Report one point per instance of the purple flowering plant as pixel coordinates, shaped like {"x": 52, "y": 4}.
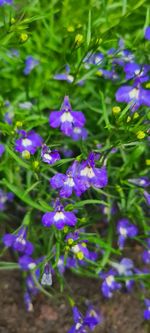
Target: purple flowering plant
{"x": 74, "y": 155}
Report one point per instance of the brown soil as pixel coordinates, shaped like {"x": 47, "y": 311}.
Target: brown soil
{"x": 122, "y": 314}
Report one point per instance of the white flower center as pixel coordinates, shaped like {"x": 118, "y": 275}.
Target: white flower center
{"x": 66, "y": 116}
{"x": 26, "y": 142}
{"x": 47, "y": 157}
{"x": 59, "y": 216}
{"x": 75, "y": 249}
{"x": 123, "y": 231}
{"x": 134, "y": 93}
{"x": 21, "y": 240}
{"x": 78, "y": 325}
{"x": 110, "y": 280}
{"x": 69, "y": 182}
{"x": 77, "y": 130}
{"x": 46, "y": 279}
{"x": 32, "y": 265}
{"x": 87, "y": 172}
{"x": 70, "y": 78}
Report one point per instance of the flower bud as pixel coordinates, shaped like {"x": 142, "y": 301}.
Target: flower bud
{"x": 116, "y": 109}
{"x": 140, "y": 135}
{"x": 78, "y": 39}
{"x": 26, "y": 154}
{"x": 23, "y": 37}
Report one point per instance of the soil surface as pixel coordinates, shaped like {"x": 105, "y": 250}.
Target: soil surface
{"x": 122, "y": 314}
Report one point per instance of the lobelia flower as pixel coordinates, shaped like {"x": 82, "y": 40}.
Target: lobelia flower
{"x": 125, "y": 229}
{"x": 2, "y": 149}
{"x": 108, "y": 74}
{"x": 135, "y": 94}
{"x": 30, "y": 64}
{"x": 109, "y": 285}
{"x": 147, "y": 310}
{"x": 146, "y": 253}
{"x": 141, "y": 181}
{"x": 90, "y": 175}
{"x": 93, "y": 59}
{"x": 67, "y": 183}
{"x": 49, "y": 156}
{"x": 65, "y": 76}
{"x": 27, "y": 263}
{"x": 66, "y": 119}
{"x": 25, "y": 105}
{"x": 147, "y": 33}
{"x": 79, "y": 133}
{"x": 19, "y": 242}
{"x": 81, "y": 323}
{"x": 147, "y": 197}
{"x": 47, "y": 276}
{"x": 29, "y": 141}
{"x": 59, "y": 218}
{"x": 4, "y": 2}
{"x": 125, "y": 267}
{"x": 137, "y": 72}
{"x": 28, "y": 302}
{"x": 4, "y": 197}
{"x": 8, "y": 117}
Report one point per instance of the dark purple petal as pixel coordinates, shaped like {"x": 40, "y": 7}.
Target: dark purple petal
{"x": 48, "y": 219}
{"x": 54, "y": 119}
{"x": 8, "y": 239}
{"x": 58, "y": 180}
{"x": 147, "y": 33}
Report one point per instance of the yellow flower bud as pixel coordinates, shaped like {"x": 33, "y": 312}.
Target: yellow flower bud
{"x": 65, "y": 229}
{"x": 80, "y": 255}
{"x": 26, "y": 154}
{"x": 140, "y": 135}
{"x": 70, "y": 28}
{"x": 83, "y": 244}
{"x": 70, "y": 241}
{"x": 147, "y": 162}
{"x": 128, "y": 119}
{"x": 99, "y": 73}
{"x": 67, "y": 248}
{"x": 147, "y": 85}
{"x": 19, "y": 124}
{"x": 78, "y": 39}
{"x": 136, "y": 115}
{"x": 23, "y": 37}
{"x": 12, "y": 21}
{"x": 36, "y": 164}
{"x": 116, "y": 109}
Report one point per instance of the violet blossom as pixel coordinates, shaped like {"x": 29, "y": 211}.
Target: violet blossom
{"x": 125, "y": 230}
{"x": 19, "y": 241}
{"x": 29, "y": 141}
{"x": 49, "y": 156}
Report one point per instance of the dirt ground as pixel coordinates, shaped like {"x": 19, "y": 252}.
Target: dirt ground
{"x": 122, "y": 314}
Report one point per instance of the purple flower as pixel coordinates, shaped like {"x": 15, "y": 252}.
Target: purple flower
{"x": 90, "y": 175}
{"x": 79, "y": 133}
{"x": 141, "y": 181}
{"x": 146, "y": 253}
{"x": 8, "y": 117}
{"x": 147, "y": 310}
{"x": 81, "y": 323}
{"x": 109, "y": 284}
{"x": 125, "y": 230}
{"x": 19, "y": 242}
{"x": 137, "y": 95}
{"x": 47, "y": 276}
{"x": 137, "y": 72}
{"x": 67, "y": 183}
{"x": 125, "y": 267}
{"x": 59, "y": 218}
{"x": 28, "y": 302}
{"x": 29, "y": 141}
{"x": 65, "y": 76}
{"x": 147, "y": 197}
{"x": 108, "y": 74}
{"x": 8, "y": 2}
{"x": 30, "y": 64}
{"x": 25, "y": 105}
{"x": 27, "y": 263}
{"x": 66, "y": 119}
{"x": 4, "y": 197}
{"x": 93, "y": 59}
{"x": 2, "y": 149}
{"x": 49, "y": 156}
{"x": 147, "y": 33}
{"x": 92, "y": 318}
